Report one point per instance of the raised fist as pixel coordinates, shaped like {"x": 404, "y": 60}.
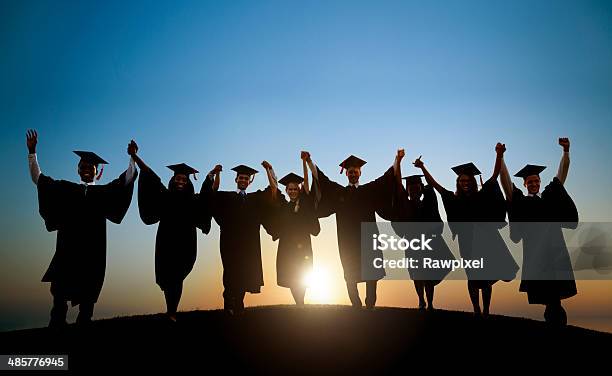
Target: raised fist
{"x": 565, "y": 143}
{"x": 500, "y": 148}
{"x": 400, "y": 154}
{"x": 132, "y": 148}
{"x": 217, "y": 169}
{"x": 266, "y": 165}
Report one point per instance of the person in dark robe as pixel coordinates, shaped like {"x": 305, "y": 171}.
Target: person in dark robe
{"x": 353, "y": 204}
{"x": 180, "y": 212}
{"x": 538, "y": 219}
{"x": 475, "y": 217}
{"x": 417, "y": 203}
{"x": 240, "y": 216}
{"x": 294, "y": 221}
{"x": 78, "y": 212}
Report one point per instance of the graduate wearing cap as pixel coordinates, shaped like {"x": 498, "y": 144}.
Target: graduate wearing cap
{"x": 353, "y": 204}
{"x": 294, "y": 221}
{"x": 415, "y": 212}
{"x": 475, "y": 217}
{"x": 180, "y": 212}
{"x": 240, "y": 215}
{"x": 78, "y": 212}
{"x": 537, "y": 218}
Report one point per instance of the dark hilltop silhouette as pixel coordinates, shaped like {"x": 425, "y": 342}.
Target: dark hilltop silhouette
{"x": 316, "y": 339}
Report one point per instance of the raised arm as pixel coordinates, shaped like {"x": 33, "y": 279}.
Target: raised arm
{"x": 499, "y": 155}
{"x": 305, "y": 185}
{"x": 397, "y": 166}
{"x": 418, "y": 163}
{"x": 313, "y": 169}
{"x": 565, "y": 160}
{"x": 272, "y": 181}
{"x": 506, "y": 182}
{"x": 31, "y": 142}
{"x": 132, "y": 151}
{"x": 215, "y": 176}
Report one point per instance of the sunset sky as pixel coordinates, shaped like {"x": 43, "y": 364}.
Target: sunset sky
{"x": 242, "y": 81}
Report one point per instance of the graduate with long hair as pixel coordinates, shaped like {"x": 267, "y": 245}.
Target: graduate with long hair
{"x": 475, "y": 217}
{"x": 180, "y": 212}
{"x": 294, "y": 222}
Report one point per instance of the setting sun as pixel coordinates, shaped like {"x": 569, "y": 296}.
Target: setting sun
{"x": 318, "y": 283}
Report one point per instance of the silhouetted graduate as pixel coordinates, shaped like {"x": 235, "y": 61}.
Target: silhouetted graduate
{"x": 418, "y": 203}
{"x": 239, "y": 215}
{"x": 294, "y": 221}
{"x": 179, "y": 211}
{"x": 547, "y": 275}
{"x": 476, "y": 216}
{"x": 78, "y": 212}
{"x": 354, "y": 204}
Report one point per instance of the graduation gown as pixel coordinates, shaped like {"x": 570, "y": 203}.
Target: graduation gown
{"x": 179, "y": 215}
{"x": 353, "y": 206}
{"x": 476, "y": 220}
{"x": 293, "y": 230}
{"x": 78, "y": 213}
{"x": 547, "y": 275}
{"x": 427, "y": 215}
{"x": 240, "y": 219}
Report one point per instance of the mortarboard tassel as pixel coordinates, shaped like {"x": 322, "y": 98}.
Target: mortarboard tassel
{"x": 100, "y": 174}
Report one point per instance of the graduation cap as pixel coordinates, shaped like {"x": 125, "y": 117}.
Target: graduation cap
{"x": 414, "y": 179}
{"x": 466, "y": 169}
{"x": 183, "y": 169}
{"x": 291, "y": 178}
{"x": 245, "y": 170}
{"x": 351, "y": 161}
{"x": 91, "y": 158}
{"x": 529, "y": 170}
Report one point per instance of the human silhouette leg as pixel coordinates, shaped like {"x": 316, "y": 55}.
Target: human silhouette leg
{"x": 59, "y": 309}
{"x": 371, "y": 293}
{"x": 85, "y": 313}
{"x": 420, "y": 291}
{"x": 429, "y": 287}
{"x": 486, "y": 299}
{"x": 173, "y": 297}
{"x": 555, "y": 315}
{"x": 298, "y": 295}
{"x": 474, "y": 297}
{"x": 353, "y": 293}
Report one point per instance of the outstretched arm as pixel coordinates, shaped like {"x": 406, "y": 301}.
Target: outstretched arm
{"x": 506, "y": 182}
{"x": 430, "y": 179}
{"x": 306, "y": 186}
{"x": 215, "y": 176}
{"x": 271, "y": 175}
{"x": 31, "y": 142}
{"x": 499, "y": 152}
{"x": 397, "y": 166}
{"x": 565, "y": 160}
{"x": 132, "y": 151}
{"x": 272, "y": 182}
{"x": 313, "y": 169}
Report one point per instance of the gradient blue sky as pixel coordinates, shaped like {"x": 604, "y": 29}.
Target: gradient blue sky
{"x": 242, "y": 81}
